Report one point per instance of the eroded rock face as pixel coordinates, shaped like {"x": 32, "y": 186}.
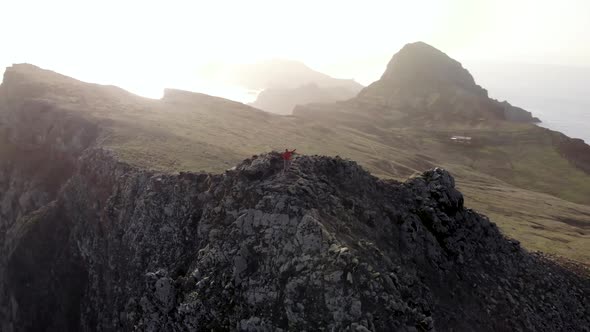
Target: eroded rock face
{"x": 39, "y": 148}
{"x": 324, "y": 246}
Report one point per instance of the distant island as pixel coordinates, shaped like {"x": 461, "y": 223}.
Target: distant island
{"x": 285, "y": 84}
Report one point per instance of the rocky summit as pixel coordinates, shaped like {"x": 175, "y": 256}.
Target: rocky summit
{"x": 419, "y": 65}
{"x": 324, "y": 246}
{"x": 422, "y": 80}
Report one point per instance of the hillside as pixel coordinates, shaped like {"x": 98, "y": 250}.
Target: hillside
{"x": 531, "y": 181}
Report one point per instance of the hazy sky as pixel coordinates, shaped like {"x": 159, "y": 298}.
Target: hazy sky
{"x": 145, "y": 45}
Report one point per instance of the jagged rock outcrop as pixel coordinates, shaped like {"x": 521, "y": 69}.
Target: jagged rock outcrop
{"x": 324, "y": 246}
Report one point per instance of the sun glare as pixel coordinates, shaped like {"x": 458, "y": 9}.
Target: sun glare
{"x": 145, "y": 46}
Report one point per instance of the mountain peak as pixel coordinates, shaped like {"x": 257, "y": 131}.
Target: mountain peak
{"x": 427, "y": 84}
{"x": 420, "y": 63}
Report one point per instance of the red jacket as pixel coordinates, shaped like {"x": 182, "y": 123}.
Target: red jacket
{"x": 287, "y": 154}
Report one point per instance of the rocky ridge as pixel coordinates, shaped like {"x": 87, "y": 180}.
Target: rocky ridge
{"x": 325, "y": 246}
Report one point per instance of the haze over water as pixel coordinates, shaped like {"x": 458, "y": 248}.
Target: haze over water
{"x": 558, "y": 95}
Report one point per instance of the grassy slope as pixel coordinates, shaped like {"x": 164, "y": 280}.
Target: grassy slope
{"x": 540, "y": 221}
{"x": 539, "y": 168}
{"x": 212, "y": 135}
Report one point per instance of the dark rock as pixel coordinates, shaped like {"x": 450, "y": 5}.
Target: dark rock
{"x": 324, "y": 246}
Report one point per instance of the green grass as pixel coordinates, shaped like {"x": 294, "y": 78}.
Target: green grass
{"x": 541, "y": 222}
{"x": 542, "y": 168}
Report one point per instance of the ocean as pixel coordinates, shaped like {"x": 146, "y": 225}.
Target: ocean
{"x": 572, "y": 120}
{"x": 558, "y": 95}
{"x": 567, "y": 115}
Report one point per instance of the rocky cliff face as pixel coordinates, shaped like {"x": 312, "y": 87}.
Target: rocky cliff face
{"x": 324, "y": 246}
{"x": 39, "y": 143}
{"x": 39, "y": 147}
